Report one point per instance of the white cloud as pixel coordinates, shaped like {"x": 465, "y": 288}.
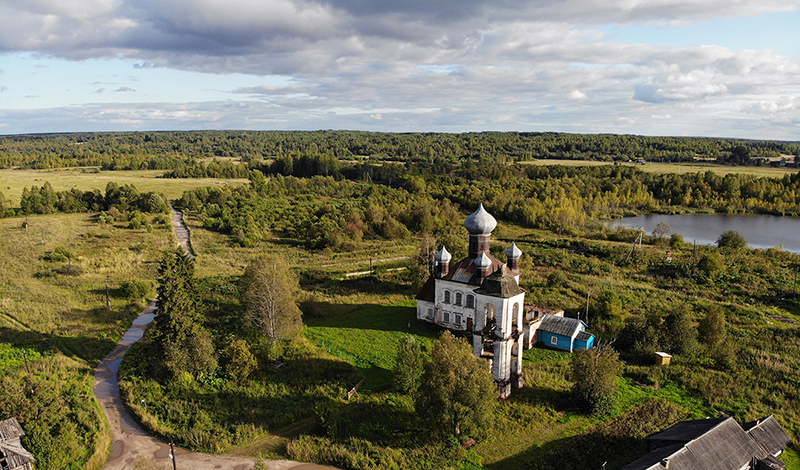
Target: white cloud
{"x": 577, "y": 95}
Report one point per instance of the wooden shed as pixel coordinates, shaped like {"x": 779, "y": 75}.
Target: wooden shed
{"x": 12, "y": 455}
{"x": 663, "y": 359}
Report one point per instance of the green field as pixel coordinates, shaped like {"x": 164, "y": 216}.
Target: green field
{"x": 55, "y": 312}
{"x": 86, "y": 179}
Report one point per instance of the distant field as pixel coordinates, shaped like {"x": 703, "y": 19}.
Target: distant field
{"x": 13, "y": 181}
{"x": 679, "y": 168}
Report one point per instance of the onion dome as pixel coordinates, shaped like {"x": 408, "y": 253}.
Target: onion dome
{"x": 443, "y": 256}
{"x": 483, "y": 261}
{"x": 513, "y": 252}
{"x": 480, "y": 222}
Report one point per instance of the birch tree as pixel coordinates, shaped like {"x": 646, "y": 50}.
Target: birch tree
{"x": 270, "y": 297}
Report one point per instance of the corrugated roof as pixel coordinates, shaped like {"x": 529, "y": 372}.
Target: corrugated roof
{"x": 563, "y": 326}
{"x": 684, "y": 431}
{"x": 583, "y": 336}
{"x": 769, "y": 434}
{"x": 725, "y": 447}
{"x": 676, "y": 456}
{"x": 710, "y": 444}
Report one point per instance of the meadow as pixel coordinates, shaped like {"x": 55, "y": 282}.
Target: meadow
{"x": 54, "y": 312}
{"x": 53, "y": 306}
{"x": 13, "y": 181}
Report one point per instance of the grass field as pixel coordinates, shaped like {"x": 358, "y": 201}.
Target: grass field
{"x": 13, "y": 181}
{"x": 63, "y": 325}
{"x": 679, "y": 168}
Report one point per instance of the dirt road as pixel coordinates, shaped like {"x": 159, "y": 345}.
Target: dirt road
{"x": 132, "y": 445}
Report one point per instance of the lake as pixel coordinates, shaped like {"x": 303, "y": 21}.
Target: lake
{"x": 761, "y": 231}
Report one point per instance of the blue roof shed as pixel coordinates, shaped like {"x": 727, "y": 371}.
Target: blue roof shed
{"x": 567, "y": 334}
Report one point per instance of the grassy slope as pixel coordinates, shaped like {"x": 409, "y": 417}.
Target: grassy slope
{"x": 63, "y": 323}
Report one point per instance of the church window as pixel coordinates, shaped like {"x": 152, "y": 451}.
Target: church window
{"x": 457, "y": 320}
{"x": 458, "y": 298}
{"x": 514, "y": 314}
{"x": 446, "y": 317}
{"x": 430, "y": 313}
{"x": 447, "y": 296}
{"x": 489, "y": 312}
{"x": 470, "y": 301}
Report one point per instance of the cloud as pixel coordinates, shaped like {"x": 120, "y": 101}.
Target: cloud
{"x": 99, "y": 91}
{"x": 3, "y": 88}
{"x": 577, "y": 95}
{"x": 123, "y": 89}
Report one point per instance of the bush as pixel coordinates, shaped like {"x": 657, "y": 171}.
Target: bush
{"x": 595, "y": 373}
{"x": 731, "y": 239}
{"x": 240, "y": 361}
{"x": 136, "y": 289}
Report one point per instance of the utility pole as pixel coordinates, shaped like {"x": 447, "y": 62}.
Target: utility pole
{"x": 25, "y": 355}
{"x": 172, "y": 456}
{"x": 587, "y": 308}
{"x": 108, "y": 297}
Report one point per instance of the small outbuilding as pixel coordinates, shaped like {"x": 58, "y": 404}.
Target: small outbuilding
{"x": 566, "y": 334}
{"x": 12, "y": 455}
{"x": 663, "y": 359}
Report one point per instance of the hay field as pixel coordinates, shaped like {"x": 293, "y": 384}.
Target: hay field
{"x": 13, "y": 181}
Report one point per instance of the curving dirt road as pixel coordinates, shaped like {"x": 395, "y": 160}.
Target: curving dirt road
{"x": 131, "y": 444}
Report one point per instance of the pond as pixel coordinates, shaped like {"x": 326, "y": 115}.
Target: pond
{"x": 761, "y": 231}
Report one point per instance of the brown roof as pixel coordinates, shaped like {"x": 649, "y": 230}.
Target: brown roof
{"x": 500, "y": 284}
{"x": 428, "y": 291}
{"x": 465, "y": 271}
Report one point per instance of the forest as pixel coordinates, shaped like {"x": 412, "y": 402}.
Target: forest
{"x": 317, "y": 207}
{"x": 174, "y": 150}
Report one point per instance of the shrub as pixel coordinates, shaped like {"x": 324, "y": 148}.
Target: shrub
{"x": 731, "y": 239}
{"x": 136, "y": 289}
{"x": 240, "y": 360}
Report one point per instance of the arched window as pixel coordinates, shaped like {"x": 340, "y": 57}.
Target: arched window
{"x": 514, "y": 313}
{"x": 489, "y": 310}
{"x": 470, "y": 301}
{"x": 458, "y": 298}
{"x": 447, "y": 296}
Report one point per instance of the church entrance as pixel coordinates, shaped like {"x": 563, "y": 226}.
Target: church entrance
{"x": 469, "y": 323}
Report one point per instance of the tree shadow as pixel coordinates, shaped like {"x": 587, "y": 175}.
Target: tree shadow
{"x": 368, "y": 316}
{"x": 88, "y": 348}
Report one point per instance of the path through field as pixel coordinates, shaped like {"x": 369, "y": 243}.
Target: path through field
{"x": 131, "y": 443}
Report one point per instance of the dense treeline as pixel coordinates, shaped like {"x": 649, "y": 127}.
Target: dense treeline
{"x": 362, "y": 200}
{"x": 170, "y": 150}
{"x": 125, "y": 198}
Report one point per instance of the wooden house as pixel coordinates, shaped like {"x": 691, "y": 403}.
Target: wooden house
{"x": 566, "y": 334}
{"x": 715, "y": 444}
{"x": 12, "y": 455}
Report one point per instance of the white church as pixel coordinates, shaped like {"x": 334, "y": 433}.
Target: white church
{"x": 480, "y": 296}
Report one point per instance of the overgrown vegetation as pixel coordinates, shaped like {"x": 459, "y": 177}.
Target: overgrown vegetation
{"x": 728, "y": 315}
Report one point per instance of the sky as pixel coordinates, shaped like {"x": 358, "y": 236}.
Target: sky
{"x": 717, "y": 68}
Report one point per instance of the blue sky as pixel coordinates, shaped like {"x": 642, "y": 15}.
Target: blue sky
{"x": 660, "y": 67}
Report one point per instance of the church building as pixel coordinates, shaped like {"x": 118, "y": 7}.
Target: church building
{"x": 480, "y": 296}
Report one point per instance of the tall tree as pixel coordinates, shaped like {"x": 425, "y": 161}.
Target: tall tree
{"x": 178, "y": 332}
{"x": 457, "y": 395}
{"x": 595, "y": 374}
{"x": 410, "y": 365}
{"x": 270, "y": 296}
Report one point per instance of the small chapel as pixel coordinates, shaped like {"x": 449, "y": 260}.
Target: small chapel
{"x": 480, "y": 297}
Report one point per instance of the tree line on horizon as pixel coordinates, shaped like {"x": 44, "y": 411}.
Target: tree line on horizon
{"x": 173, "y": 150}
